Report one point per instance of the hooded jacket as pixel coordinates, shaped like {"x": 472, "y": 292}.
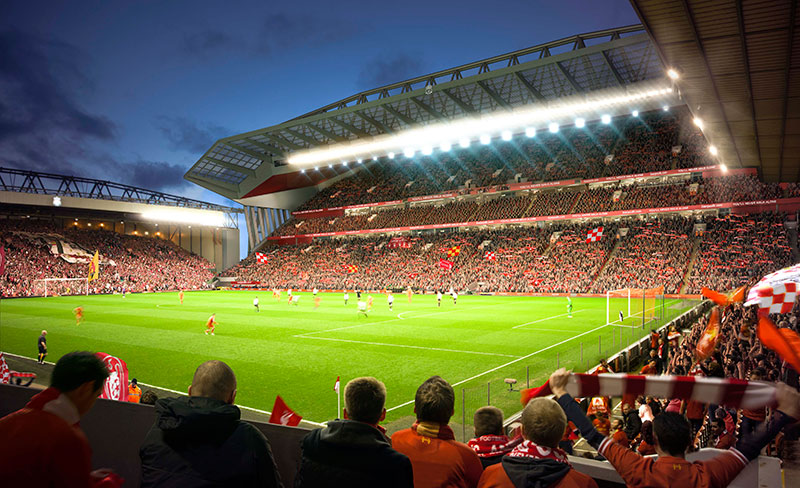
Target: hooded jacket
{"x": 353, "y": 454}
{"x": 533, "y": 473}
{"x": 199, "y": 441}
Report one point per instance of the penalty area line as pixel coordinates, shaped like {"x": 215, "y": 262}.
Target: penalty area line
{"x": 508, "y": 363}
{"x": 542, "y": 320}
{"x": 409, "y": 346}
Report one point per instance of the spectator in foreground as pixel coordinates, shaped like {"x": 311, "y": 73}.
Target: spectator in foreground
{"x": 490, "y": 444}
{"x": 722, "y": 439}
{"x": 672, "y": 436}
{"x": 355, "y": 452}
{"x": 200, "y": 440}
{"x": 537, "y": 461}
{"x": 437, "y": 458}
{"x": 149, "y": 398}
{"x": 42, "y": 443}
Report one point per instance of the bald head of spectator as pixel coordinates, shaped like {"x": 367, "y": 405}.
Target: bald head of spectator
{"x": 543, "y": 422}
{"x": 214, "y": 379}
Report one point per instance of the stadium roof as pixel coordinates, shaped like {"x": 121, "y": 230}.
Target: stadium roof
{"x": 739, "y": 67}
{"x": 254, "y": 163}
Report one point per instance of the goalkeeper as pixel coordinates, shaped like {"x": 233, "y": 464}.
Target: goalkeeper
{"x": 569, "y": 307}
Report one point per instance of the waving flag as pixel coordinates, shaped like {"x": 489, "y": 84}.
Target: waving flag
{"x": 594, "y": 235}
{"x": 708, "y": 341}
{"x": 454, "y": 251}
{"x": 351, "y": 268}
{"x": 116, "y": 385}
{"x": 94, "y": 268}
{"x": 773, "y": 297}
{"x": 445, "y": 264}
{"x": 5, "y": 373}
{"x": 737, "y": 296}
{"x": 783, "y": 341}
{"x": 2, "y": 260}
{"x": 283, "y": 415}
{"x": 336, "y": 385}
{"x": 490, "y": 256}
{"x": 261, "y": 258}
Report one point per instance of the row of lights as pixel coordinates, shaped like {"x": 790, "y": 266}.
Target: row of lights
{"x": 674, "y": 75}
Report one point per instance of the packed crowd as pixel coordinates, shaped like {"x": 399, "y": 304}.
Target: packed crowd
{"x": 130, "y": 262}
{"x": 610, "y": 197}
{"x": 629, "y": 145}
{"x": 548, "y": 258}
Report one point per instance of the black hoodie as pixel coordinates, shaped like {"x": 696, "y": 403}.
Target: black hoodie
{"x": 352, "y": 454}
{"x": 534, "y": 473}
{"x": 200, "y": 441}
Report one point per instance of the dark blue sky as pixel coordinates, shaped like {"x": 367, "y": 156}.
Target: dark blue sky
{"x": 135, "y": 92}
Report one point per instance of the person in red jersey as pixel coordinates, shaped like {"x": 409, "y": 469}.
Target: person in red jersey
{"x": 211, "y": 324}
{"x": 618, "y": 434}
{"x": 437, "y": 459}
{"x": 537, "y": 461}
{"x": 43, "y": 445}
{"x": 672, "y": 436}
{"x": 721, "y": 438}
{"x": 78, "y": 311}
{"x": 180, "y": 296}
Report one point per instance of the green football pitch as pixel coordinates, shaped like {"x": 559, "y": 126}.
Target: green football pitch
{"x": 298, "y": 351}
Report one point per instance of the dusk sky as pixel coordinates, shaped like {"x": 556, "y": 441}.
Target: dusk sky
{"x": 135, "y": 92}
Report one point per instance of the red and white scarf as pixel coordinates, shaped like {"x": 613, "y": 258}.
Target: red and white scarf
{"x": 487, "y": 446}
{"x": 528, "y": 449}
{"x": 719, "y": 391}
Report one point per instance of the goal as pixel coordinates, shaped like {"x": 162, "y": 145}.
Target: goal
{"x": 49, "y": 287}
{"x": 634, "y": 306}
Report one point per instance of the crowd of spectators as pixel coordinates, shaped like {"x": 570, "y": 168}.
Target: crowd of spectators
{"x": 548, "y": 258}
{"x": 130, "y": 262}
{"x": 629, "y": 145}
{"x": 610, "y": 197}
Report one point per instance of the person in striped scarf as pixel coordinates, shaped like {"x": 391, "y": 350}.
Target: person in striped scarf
{"x": 672, "y": 435}
{"x": 490, "y": 444}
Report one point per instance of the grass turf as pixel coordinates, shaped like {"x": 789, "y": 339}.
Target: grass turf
{"x": 298, "y": 351}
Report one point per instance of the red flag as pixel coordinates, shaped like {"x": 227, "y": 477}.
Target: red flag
{"x": 594, "y": 235}
{"x": 116, "y": 387}
{"x": 445, "y": 264}
{"x": 261, "y": 258}
{"x": 336, "y": 385}
{"x": 783, "y": 341}
{"x": 723, "y": 300}
{"x": 283, "y": 415}
{"x": 5, "y": 373}
{"x": 2, "y": 260}
{"x": 454, "y": 251}
{"x": 490, "y": 256}
{"x": 706, "y": 344}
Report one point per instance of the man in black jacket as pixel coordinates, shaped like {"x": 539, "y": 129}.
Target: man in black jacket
{"x": 633, "y": 424}
{"x": 355, "y": 452}
{"x": 199, "y": 440}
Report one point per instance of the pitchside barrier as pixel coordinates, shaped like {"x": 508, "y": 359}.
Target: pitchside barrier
{"x": 622, "y": 347}
{"x": 115, "y": 431}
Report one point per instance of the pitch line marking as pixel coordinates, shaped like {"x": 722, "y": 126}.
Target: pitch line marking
{"x": 508, "y": 363}
{"x": 411, "y": 347}
{"x": 542, "y": 320}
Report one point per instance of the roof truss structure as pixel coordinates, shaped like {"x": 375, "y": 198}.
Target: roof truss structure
{"x": 536, "y": 75}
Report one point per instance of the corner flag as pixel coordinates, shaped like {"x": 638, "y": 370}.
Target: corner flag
{"x": 94, "y": 267}
{"x": 336, "y": 386}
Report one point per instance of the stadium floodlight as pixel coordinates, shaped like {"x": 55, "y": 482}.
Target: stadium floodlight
{"x": 56, "y": 201}
{"x": 391, "y": 155}
{"x": 408, "y": 152}
{"x": 330, "y": 165}
{"x": 427, "y": 150}
{"x": 606, "y": 119}
{"x": 316, "y": 168}
{"x": 446, "y": 146}
{"x": 486, "y": 139}
{"x": 186, "y": 216}
{"x": 713, "y": 150}
{"x": 723, "y": 167}
{"x": 552, "y": 127}
{"x": 580, "y": 122}
{"x": 666, "y": 108}
{"x": 463, "y": 142}
{"x": 359, "y": 160}
{"x": 673, "y": 74}
{"x": 303, "y": 170}
{"x": 374, "y": 158}
{"x": 612, "y": 101}
{"x": 530, "y": 131}
{"x": 635, "y": 113}
{"x": 506, "y": 135}
{"x": 698, "y": 122}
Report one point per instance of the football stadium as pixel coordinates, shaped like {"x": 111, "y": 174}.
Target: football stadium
{"x": 621, "y": 203}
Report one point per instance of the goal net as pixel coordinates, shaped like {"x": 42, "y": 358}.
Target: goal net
{"x": 634, "y": 306}
{"x": 50, "y": 287}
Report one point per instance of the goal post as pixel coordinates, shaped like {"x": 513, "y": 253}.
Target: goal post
{"x": 634, "y": 306}
{"x": 48, "y": 287}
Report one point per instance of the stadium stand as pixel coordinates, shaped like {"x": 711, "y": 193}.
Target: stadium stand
{"x": 37, "y": 249}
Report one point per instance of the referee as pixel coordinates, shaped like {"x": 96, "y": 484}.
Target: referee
{"x": 42, "y": 343}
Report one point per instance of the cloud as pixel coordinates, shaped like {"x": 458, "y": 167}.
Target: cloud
{"x": 280, "y": 32}
{"x": 187, "y": 135}
{"x": 207, "y": 42}
{"x": 154, "y": 175}
{"x": 384, "y": 70}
